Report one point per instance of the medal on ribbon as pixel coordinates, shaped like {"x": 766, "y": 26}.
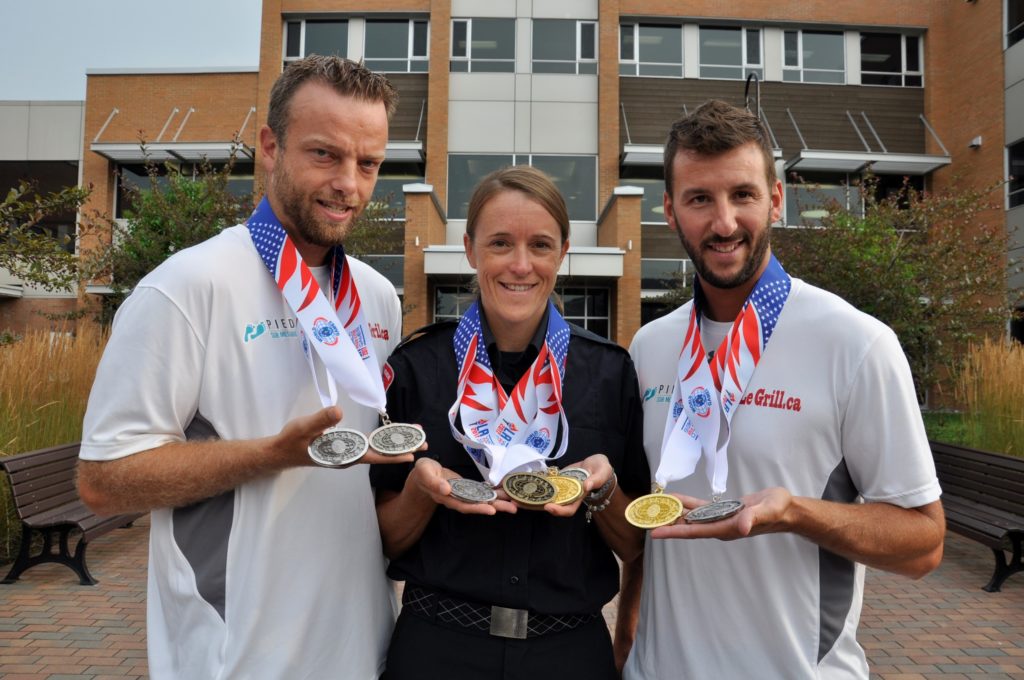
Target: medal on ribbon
{"x": 706, "y": 398}
{"x": 333, "y": 326}
{"x": 511, "y": 433}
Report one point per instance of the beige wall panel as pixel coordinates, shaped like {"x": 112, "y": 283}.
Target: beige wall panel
{"x": 482, "y": 87}
{"x": 481, "y": 127}
{"x": 55, "y": 132}
{"x": 14, "y": 131}
{"x": 1014, "y": 113}
{"x": 564, "y": 128}
{"x": 483, "y": 8}
{"x": 565, "y": 9}
{"x": 550, "y": 87}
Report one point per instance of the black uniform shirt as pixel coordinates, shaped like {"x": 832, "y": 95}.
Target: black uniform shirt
{"x": 530, "y": 560}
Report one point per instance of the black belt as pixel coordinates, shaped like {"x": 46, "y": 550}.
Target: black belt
{"x": 499, "y": 621}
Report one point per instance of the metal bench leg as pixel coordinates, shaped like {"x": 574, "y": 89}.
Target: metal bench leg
{"x": 23, "y": 560}
{"x": 1003, "y": 568}
{"x": 78, "y": 562}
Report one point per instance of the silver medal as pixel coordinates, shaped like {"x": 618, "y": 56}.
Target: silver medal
{"x": 712, "y": 512}
{"x": 578, "y": 473}
{"x": 472, "y": 491}
{"x": 338, "y": 447}
{"x": 395, "y": 439}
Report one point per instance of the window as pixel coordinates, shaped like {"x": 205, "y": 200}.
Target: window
{"x": 732, "y": 53}
{"x": 451, "y": 302}
{"x": 564, "y": 46}
{"x": 586, "y": 306}
{"x": 388, "y": 196}
{"x": 305, "y": 37}
{"x": 396, "y": 46}
{"x": 813, "y": 57}
{"x": 890, "y": 59}
{"x": 652, "y": 205}
{"x": 663, "y": 274}
{"x": 811, "y": 198}
{"x": 650, "y": 50}
{"x": 575, "y": 177}
{"x": 1015, "y": 163}
{"x": 483, "y": 45}
{"x": 1014, "y": 22}
{"x": 133, "y": 178}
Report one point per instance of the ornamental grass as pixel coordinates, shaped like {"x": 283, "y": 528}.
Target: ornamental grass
{"x": 45, "y": 379}
{"x": 991, "y": 385}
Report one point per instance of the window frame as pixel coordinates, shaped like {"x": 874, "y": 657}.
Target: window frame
{"x": 746, "y": 66}
{"x": 469, "y": 58}
{"x": 904, "y": 72}
{"x": 801, "y": 68}
{"x": 409, "y": 58}
{"x": 636, "y": 63}
{"x": 285, "y": 58}
{"x": 579, "y": 61}
{"x": 1014, "y": 34}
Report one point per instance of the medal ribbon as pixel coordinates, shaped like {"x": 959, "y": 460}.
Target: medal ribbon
{"x": 349, "y": 356}
{"x": 707, "y": 391}
{"x": 510, "y": 432}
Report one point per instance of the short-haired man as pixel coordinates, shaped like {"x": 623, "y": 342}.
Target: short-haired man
{"x": 805, "y": 411}
{"x": 209, "y": 393}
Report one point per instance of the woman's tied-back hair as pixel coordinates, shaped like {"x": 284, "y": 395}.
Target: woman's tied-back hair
{"x": 715, "y": 128}
{"x": 525, "y": 179}
{"x": 347, "y": 78}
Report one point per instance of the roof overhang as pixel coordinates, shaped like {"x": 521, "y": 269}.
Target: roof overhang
{"x": 11, "y": 290}
{"x": 606, "y": 262}
{"x": 654, "y": 154}
{"x": 404, "y": 152}
{"x": 858, "y": 161}
{"x": 192, "y": 152}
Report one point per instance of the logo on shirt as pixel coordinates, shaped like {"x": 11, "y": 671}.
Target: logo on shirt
{"x": 253, "y": 331}
{"x": 387, "y": 375}
{"x": 378, "y": 332}
{"x": 659, "y": 393}
{"x": 270, "y": 328}
{"x": 699, "y": 402}
{"x": 771, "y": 399}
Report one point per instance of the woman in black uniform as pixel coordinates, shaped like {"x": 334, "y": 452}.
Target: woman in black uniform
{"x": 493, "y": 589}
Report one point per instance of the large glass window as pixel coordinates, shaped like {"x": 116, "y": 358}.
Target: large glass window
{"x": 661, "y": 273}
{"x": 575, "y": 177}
{"x": 320, "y": 36}
{"x": 564, "y": 46}
{"x": 1014, "y": 22}
{"x": 586, "y": 306}
{"x": 134, "y": 177}
{"x": 388, "y": 196}
{"x": 816, "y": 195}
{"x": 652, "y": 205}
{"x": 890, "y": 59}
{"x": 451, "y": 302}
{"x": 813, "y": 57}
{"x": 483, "y": 45}
{"x": 650, "y": 50}
{"x": 396, "y": 46}
{"x": 1016, "y": 167}
{"x": 732, "y": 53}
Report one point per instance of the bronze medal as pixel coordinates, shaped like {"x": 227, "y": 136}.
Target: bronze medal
{"x": 529, "y": 488}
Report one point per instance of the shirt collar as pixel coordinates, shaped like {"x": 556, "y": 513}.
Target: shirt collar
{"x": 492, "y": 344}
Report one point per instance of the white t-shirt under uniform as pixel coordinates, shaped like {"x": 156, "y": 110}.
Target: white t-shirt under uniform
{"x": 282, "y": 577}
{"x": 830, "y": 413}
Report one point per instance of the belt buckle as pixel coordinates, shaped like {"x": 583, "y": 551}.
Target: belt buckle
{"x": 508, "y": 623}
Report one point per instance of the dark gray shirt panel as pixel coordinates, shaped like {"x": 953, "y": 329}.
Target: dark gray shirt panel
{"x": 835, "y": 573}
{"x": 201, "y": 531}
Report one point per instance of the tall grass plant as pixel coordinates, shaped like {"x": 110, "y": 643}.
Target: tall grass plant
{"x": 991, "y": 386}
{"x": 45, "y": 379}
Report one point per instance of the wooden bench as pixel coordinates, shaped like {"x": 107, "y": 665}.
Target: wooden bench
{"x": 983, "y": 495}
{"x": 47, "y": 503}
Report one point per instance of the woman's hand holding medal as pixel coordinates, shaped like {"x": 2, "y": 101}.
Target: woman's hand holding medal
{"x": 438, "y": 483}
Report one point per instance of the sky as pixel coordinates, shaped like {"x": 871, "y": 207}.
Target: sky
{"x": 47, "y": 45}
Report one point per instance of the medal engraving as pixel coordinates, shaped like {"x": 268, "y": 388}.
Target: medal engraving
{"x": 529, "y": 488}
{"x": 654, "y": 510}
{"x": 712, "y": 512}
{"x": 395, "y": 439}
{"x": 567, "y": 489}
{"x": 472, "y": 491}
{"x": 338, "y": 447}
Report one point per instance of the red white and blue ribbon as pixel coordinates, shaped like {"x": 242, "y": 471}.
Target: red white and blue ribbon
{"x": 510, "y": 432}
{"x": 707, "y": 393}
{"x": 348, "y": 356}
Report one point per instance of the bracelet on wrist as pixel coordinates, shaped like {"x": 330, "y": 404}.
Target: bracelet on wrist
{"x": 599, "y": 500}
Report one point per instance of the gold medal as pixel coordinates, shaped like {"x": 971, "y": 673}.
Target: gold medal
{"x": 654, "y": 510}
{"x": 529, "y": 488}
{"x": 567, "y": 488}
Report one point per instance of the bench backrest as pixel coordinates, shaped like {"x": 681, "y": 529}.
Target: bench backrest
{"x": 42, "y": 479}
{"x": 990, "y": 478}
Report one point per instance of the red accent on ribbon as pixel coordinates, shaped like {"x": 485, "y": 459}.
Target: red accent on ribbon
{"x": 751, "y": 334}
{"x": 289, "y": 259}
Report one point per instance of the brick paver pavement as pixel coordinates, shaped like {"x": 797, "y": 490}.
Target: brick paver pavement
{"x": 944, "y": 626}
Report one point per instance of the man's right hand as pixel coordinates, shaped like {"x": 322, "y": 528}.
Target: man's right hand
{"x": 297, "y": 434}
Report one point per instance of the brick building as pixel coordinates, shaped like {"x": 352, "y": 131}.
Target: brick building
{"x": 585, "y": 90}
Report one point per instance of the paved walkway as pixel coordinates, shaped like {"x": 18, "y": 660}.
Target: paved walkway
{"x": 944, "y": 626}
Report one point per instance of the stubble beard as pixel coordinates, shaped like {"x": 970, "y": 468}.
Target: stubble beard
{"x": 757, "y": 252}
{"x": 299, "y": 210}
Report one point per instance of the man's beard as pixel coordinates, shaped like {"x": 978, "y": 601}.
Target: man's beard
{"x": 299, "y": 210}
{"x": 758, "y": 248}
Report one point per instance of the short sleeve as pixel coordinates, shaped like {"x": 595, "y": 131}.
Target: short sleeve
{"x": 148, "y": 381}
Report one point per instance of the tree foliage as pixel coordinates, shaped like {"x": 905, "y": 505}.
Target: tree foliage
{"x": 27, "y": 249}
{"x": 926, "y": 264}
